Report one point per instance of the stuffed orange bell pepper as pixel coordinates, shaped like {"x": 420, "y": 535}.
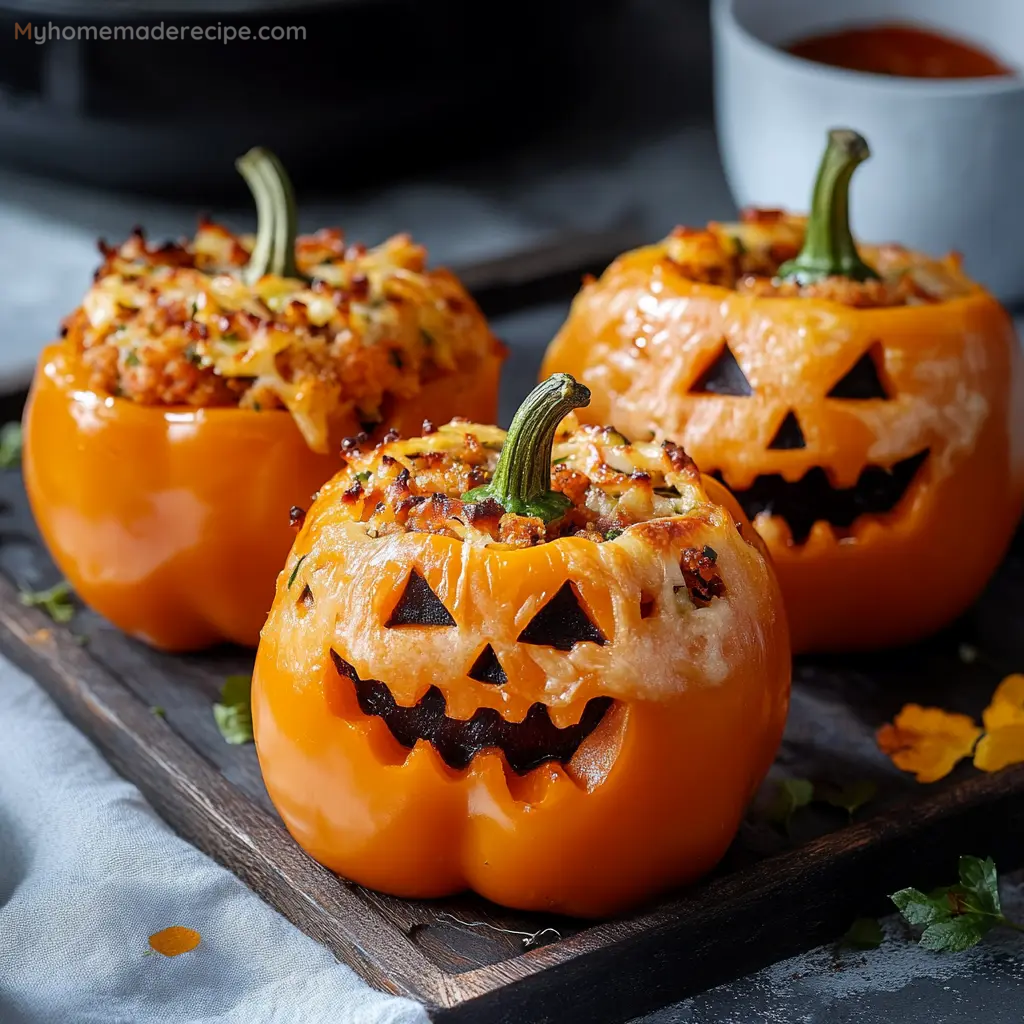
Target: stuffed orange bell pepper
{"x": 554, "y": 680}
{"x": 864, "y": 406}
{"x": 203, "y": 388}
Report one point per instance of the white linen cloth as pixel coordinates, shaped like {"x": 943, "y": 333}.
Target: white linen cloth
{"x": 88, "y": 872}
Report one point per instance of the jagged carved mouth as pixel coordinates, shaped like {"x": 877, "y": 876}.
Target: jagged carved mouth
{"x": 812, "y": 498}
{"x": 526, "y": 745}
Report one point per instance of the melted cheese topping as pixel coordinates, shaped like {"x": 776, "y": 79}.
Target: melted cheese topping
{"x": 415, "y": 485}
{"x": 683, "y": 598}
{"x": 747, "y": 256}
{"x": 177, "y": 325}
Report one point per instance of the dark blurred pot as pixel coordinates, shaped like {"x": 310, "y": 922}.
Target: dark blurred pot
{"x": 378, "y": 88}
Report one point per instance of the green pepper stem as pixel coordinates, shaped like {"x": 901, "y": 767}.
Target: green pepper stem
{"x": 522, "y": 479}
{"x": 829, "y": 249}
{"x": 274, "y": 251}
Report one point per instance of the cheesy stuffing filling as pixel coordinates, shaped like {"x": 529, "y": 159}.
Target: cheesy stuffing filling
{"x": 176, "y": 325}
{"x": 416, "y": 484}
{"x": 746, "y": 257}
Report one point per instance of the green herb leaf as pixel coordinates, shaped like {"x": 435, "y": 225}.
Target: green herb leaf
{"x": 558, "y": 462}
{"x": 612, "y": 534}
{"x": 192, "y": 354}
{"x": 864, "y": 933}
{"x": 233, "y": 714}
{"x": 158, "y": 711}
{"x": 10, "y": 445}
{"x": 364, "y": 476}
{"x": 295, "y": 571}
{"x": 958, "y": 916}
{"x": 56, "y": 601}
{"x": 920, "y": 909}
{"x": 230, "y": 336}
{"x": 957, "y": 934}
{"x": 981, "y": 881}
{"x": 850, "y": 798}
{"x": 790, "y": 796}
{"x": 132, "y": 358}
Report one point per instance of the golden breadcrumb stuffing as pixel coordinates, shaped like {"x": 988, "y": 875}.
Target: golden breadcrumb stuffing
{"x": 746, "y": 257}
{"x": 175, "y": 324}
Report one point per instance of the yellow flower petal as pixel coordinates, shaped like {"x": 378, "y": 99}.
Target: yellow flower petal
{"x": 1007, "y": 705}
{"x": 1003, "y": 743}
{"x": 1000, "y": 748}
{"x": 927, "y": 741}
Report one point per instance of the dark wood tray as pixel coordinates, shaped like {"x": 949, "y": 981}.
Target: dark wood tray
{"x": 774, "y": 894}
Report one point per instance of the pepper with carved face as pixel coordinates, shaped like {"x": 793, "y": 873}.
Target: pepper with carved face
{"x": 864, "y": 407}
{"x": 555, "y": 677}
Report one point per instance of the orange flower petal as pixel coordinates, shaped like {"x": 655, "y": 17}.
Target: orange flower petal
{"x": 1003, "y": 743}
{"x": 175, "y": 940}
{"x": 927, "y": 741}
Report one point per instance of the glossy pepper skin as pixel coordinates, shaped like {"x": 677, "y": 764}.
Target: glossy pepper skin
{"x": 653, "y": 795}
{"x": 643, "y": 336}
{"x": 170, "y": 515}
{"x": 173, "y": 522}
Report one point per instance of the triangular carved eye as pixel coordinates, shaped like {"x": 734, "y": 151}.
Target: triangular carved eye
{"x": 487, "y": 668}
{"x": 723, "y": 377}
{"x": 789, "y": 435}
{"x": 561, "y": 623}
{"x": 861, "y": 382}
{"x": 419, "y": 606}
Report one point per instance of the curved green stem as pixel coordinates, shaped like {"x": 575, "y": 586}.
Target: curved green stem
{"x": 829, "y": 249}
{"x": 522, "y": 480}
{"x": 274, "y": 251}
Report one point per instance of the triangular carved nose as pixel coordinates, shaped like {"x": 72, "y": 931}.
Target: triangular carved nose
{"x": 487, "y": 668}
{"x": 789, "y": 435}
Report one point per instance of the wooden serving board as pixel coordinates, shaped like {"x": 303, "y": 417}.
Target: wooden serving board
{"x": 773, "y": 896}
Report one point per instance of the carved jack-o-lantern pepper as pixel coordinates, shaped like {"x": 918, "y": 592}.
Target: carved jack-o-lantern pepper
{"x": 866, "y": 412}
{"x": 557, "y": 682}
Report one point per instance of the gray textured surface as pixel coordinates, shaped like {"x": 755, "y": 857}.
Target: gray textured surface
{"x": 898, "y": 982}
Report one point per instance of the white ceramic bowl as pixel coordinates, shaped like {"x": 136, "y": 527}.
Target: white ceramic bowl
{"x": 947, "y": 165}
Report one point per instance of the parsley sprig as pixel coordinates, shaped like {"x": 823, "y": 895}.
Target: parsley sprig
{"x": 791, "y": 794}
{"x": 957, "y": 917}
{"x": 864, "y": 933}
{"x": 233, "y": 713}
{"x": 10, "y": 445}
{"x": 55, "y": 601}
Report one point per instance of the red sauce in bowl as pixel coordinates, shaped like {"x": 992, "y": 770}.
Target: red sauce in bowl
{"x": 901, "y": 50}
